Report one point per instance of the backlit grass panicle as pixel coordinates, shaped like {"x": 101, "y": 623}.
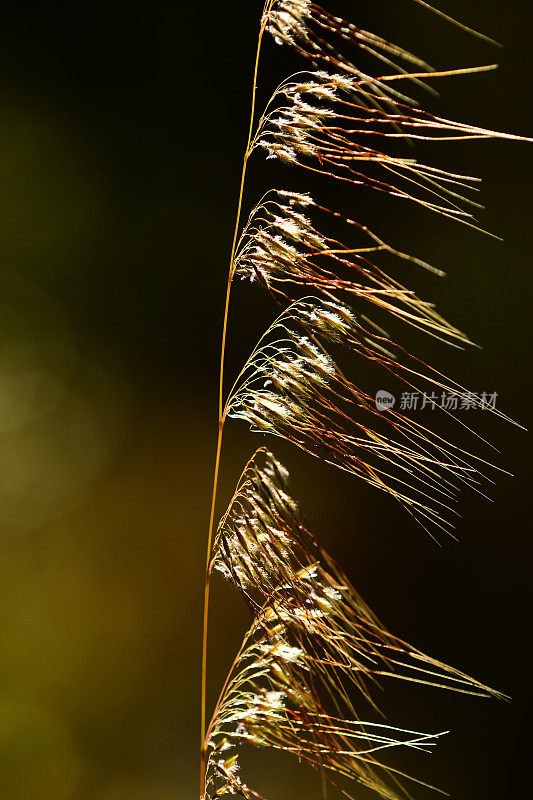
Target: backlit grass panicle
{"x": 327, "y": 120}
{"x": 291, "y": 388}
{"x": 336, "y": 136}
{"x": 315, "y": 652}
{"x": 313, "y": 642}
{"x": 282, "y": 248}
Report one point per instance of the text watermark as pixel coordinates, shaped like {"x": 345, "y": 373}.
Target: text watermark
{"x": 449, "y": 401}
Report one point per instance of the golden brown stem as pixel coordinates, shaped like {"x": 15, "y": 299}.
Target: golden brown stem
{"x": 221, "y": 413}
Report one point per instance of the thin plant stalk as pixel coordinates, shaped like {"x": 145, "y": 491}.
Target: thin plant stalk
{"x": 221, "y": 412}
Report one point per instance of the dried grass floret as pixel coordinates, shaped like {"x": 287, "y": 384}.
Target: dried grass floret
{"x": 312, "y": 643}
{"x": 282, "y": 248}
{"x": 341, "y": 135}
{"x": 292, "y": 388}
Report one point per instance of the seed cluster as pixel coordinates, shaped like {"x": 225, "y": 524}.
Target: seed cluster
{"x": 341, "y": 135}
{"x": 292, "y": 388}
{"x": 312, "y": 640}
{"x": 282, "y": 248}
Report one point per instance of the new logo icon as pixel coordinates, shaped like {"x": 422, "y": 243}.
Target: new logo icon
{"x": 384, "y": 400}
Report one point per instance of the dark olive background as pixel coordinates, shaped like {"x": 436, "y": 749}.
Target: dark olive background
{"x": 121, "y": 134}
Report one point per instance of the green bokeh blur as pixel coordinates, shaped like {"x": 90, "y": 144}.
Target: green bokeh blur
{"x": 121, "y": 133}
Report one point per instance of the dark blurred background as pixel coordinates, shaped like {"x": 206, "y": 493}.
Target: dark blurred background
{"x": 121, "y": 135}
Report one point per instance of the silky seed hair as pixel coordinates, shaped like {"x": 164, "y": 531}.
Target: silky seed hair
{"x": 315, "y": 653}
{"x": 282, "y": 249}
{"x": 291, "y": 388}
{"x": 312, "y": 644}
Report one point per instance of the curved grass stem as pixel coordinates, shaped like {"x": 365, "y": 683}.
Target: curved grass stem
{"x": 221, "y": 414}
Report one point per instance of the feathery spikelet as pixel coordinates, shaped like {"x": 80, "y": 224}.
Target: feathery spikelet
{"x": 290, "y": 387}
{"x": 281, "y": 247}
{"x": 312, "y": 642}
{"x": 328, "y": 138}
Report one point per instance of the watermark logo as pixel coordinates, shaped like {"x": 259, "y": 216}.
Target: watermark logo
{"x": 449, "y": 401}
{"x": 384, "y": 400}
